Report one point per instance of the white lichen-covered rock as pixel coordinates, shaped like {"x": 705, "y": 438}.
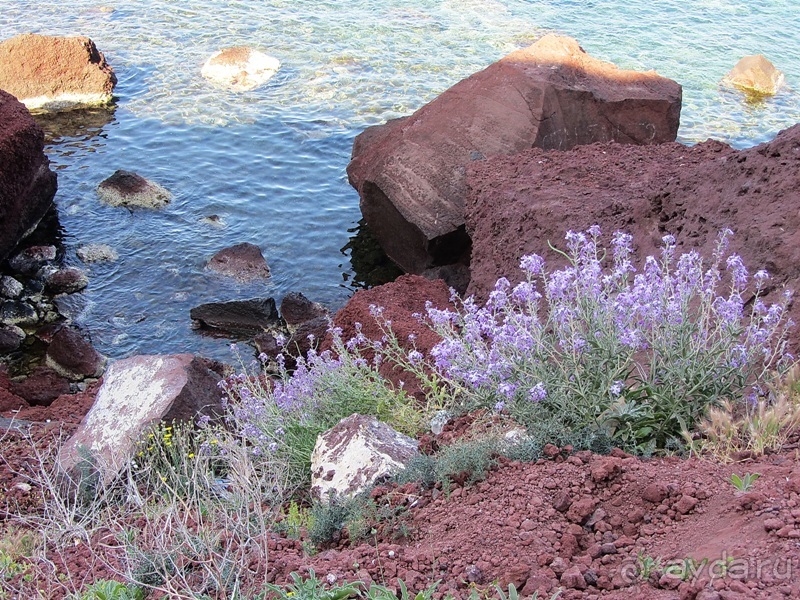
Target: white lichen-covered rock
{"x": 355, "y": 453}
{"x": 128, "y": 189}
{"x": 136, "y": 393}
{"x": 240, "y": 69}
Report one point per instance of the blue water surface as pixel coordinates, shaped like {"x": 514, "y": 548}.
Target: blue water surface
{"x": 271, "y": 162}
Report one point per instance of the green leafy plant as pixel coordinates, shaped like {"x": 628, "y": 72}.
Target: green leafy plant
{"x": 110, "y": 590}
{"x": 646, "y": 565}
{"x": 311, "y": 588}
{"x": 744, "y": 482}
{"x": 513, "y": 594}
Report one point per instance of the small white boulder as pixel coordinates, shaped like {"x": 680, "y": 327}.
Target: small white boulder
{"x": 354, "y": 454}
{"x": 240, "y": 68}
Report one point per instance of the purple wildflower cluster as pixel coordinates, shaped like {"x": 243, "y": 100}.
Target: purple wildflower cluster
{"x": 674, "y": 335}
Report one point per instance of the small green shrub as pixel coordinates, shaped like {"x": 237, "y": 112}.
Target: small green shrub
{"x": 110, "y": 590}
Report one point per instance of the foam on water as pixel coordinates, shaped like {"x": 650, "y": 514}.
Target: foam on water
{"x": 270, "y": 163}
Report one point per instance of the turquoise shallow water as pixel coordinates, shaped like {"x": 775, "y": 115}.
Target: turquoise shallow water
{"x": 271, "y": 162}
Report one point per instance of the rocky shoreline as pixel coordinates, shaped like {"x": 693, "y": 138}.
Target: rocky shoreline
{"x": 499, "y": 166}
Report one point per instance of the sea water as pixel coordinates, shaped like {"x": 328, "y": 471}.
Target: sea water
{"x": 270, "y": 163}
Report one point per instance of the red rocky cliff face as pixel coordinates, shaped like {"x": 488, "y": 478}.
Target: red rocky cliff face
{"x": 27, "y": 185}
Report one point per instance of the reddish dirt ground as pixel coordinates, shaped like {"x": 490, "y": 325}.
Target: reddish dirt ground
{"x": 576, "y": 521}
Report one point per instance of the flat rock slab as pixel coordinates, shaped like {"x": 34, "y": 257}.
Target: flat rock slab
{"x": 136, "y": 393}
{"x": 246, "y": 317}
{"x": 55, "y": 73}
{"x": 354, "y": 454}
{"x": 410, "y": 172}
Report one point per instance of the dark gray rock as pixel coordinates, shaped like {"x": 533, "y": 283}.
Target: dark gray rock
{"x": 297, "y": 309}
{"x": 241, "y": 317}
{"x": 30, "y": 260}
{"x": 18, "y": 312}
{"x": 11, "y": 338}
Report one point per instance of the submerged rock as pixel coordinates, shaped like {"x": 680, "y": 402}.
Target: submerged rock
{"x": 410, "y": 172}
{"x": 240, "y": 69}
{"x": 91, "y": 253}
{"x": 128, "y": 189}
{"x": 241, "y": 317}
{"x": 27, "y": 185}
{"x": 55, "y": 73}
{"x": 755, "y": 74}
{"x": 244, "y": 262}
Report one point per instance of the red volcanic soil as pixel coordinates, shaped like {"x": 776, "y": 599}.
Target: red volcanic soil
{"x": 578, "y": 521}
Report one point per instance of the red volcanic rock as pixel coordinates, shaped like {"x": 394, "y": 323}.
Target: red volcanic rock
{"x": 72, "y": 356}
{"x": 400, "y": 300}
{"x": 55, "y": 73}
{"x": 41, "y": 387}
{"x": 243, "y": 262}
{"x": 410, "y": 172}
{"x": 27, "y": 185}
{"x": 518, "y": 205}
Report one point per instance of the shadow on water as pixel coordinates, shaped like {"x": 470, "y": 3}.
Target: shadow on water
{"x": 82, "y": 124}
{"x": 370, "y": 264}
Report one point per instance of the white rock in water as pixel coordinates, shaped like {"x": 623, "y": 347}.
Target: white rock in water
{"x": 240, "y": 69}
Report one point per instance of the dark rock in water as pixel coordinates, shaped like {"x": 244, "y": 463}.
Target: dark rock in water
{"x": 27, "y": 185}
{"x": 55, "y": 73}
{"x": 30, "y": 260}
{"x": 410, "y": 172}
{"x": 10, "y": 287}
{"x": 128, "y": 189}
{"x": 17, "y": 312}
{"x": 70, "y": 306}
{"x": 66, "y": 281}
{"x": 41, "y": 387}
{"x": 297, "y": 309}
{"x": 11, "y": 338}
{"x": 72, "y": 356}
{"x": 240, "y": 317}
{"x": 244, "y": 262}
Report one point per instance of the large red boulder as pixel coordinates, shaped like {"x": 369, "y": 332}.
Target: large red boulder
{"x": 55, "y": 73}
{"x": 410, "y": 172}
{"x": 27, "y": 185}
{"x": 520, "y": 204}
